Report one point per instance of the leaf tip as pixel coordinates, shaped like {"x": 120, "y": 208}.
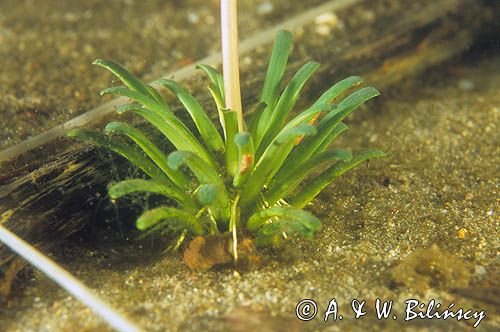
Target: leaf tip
{"x": 111, "y": 127}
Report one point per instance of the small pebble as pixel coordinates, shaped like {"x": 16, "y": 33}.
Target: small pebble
{"x": 265, "y": 8}
{"x": 326, "y": 22}
{"x": 466, "y": 84}
{"x": 193, "y": 17}
{"x": 480, "y": 270}
{"x": 462, "y": 233}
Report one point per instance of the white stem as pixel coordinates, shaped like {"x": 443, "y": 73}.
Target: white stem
{"x": 66, "y": 281}
{"x": 230, "y": 58}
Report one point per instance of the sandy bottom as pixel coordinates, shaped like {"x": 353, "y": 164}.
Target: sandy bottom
{"x": 422, "y": 223}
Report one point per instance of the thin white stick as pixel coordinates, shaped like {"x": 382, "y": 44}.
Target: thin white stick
{"x": 66, "y": 281}
{"x": 230, "y": 58}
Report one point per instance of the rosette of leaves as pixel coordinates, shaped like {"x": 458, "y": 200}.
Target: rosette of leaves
{"x": 219, "y": 180}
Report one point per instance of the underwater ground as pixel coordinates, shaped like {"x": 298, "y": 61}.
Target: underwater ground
{"x": 422, "y": 223}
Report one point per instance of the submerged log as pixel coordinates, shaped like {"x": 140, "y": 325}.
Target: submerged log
{"x": 50, "y": 193}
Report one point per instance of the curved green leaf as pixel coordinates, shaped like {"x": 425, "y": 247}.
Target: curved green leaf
{"x": 172, "y": 128}
{"x": 126, "y": 151}
{"x": 151, "y": 150}
{"x": 216, "y": 88}
{"x": 156, "y": 95}
{"x": 152, "y": 217}
{"x": 265, "y": 216}
{"x": 271, "y": 234}
{"x": 254, "y": 121}
{"x": 206, "y": 128}
{"x": 270, "y": 162}
{"x": 231, "y": 129}
{"x": 327, "y": 125}
{"x": 244, "y": 143}
{"x": 205, "y": 175}
{"x": 203, "y": 172}
{"x": 338, "y": 88}
{"x": 339, "y": 129}
{"x": 126, "y": 187}
{"x": 275, "y": 71}
{"x": 216, "y": 79}
{"x": 268, "y": 129}
{"x": 148, "y": 102}
{"x": 308, "y": 116}
{"x": 131, "y": 81}
{"x": 285, "y": 183}
{"x": 312, "y": 189}
{"x": 290, "y": 168}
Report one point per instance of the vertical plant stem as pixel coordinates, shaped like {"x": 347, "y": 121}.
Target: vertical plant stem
{"x": 230, "y": 58}
{"x": 232, "y": 226}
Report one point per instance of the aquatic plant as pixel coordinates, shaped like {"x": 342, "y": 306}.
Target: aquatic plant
{"x": 221, "y": 180}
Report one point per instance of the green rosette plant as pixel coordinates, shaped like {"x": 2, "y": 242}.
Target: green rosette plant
{"x": 221, "y": 180}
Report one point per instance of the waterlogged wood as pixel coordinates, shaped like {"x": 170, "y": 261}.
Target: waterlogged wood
{"x": 49, "y": 193}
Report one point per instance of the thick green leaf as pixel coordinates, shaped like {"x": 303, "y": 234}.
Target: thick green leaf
{"x": 131, "y": 81}
{"x": 205, "y": 175}
{"x": 268, "y": 129}
{"x": 244, "y": 143}
{"x": 173, "y": 129}
{"x": 337, "y": 89}
{"x": 203, "y": 172}
{"x": 231, "y": 122}
{"x": 275, "y": 71}
{"x": 254, "y": 121}
{"x": 310, "y": 115}
{"x": 147, "y": 101}
{"x": 152, "y": 217}
{"x": 280, "y": 226}
{"x": 327, "y": 125}
{"x": 151, "y": 150}
{"x": 216, "y": 79}
{"x": 289, "y": 169}
{"x": 215, "y": 197}
{"x": 313, "y": 188}
{"x": 128, "y": 152}
{"x": 156, "y": 95}
{"x": 270, "y": 162}
{"x": 216, "y": 88}
{"x": 206, "y": 128}
{"x": 220, "y": 106}
{"x": 207, "y": 194}
{"x": 129, "y": 107}
{"x": 287, "y": 182}
{"x": 266, "y": 216}
{"x": 126, "y": 187}
{"x": 272, "y": 234}
{"x": 339, "y": 129}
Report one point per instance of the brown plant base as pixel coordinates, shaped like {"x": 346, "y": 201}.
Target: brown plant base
{"x": 204, "y": 253}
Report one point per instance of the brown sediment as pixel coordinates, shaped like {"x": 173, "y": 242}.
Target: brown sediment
{"x": 431, "y": 268}
{"x": 203, "y": 253}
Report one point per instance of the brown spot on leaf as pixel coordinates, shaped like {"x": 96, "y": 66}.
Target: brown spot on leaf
{"x": 246, "y": 162}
